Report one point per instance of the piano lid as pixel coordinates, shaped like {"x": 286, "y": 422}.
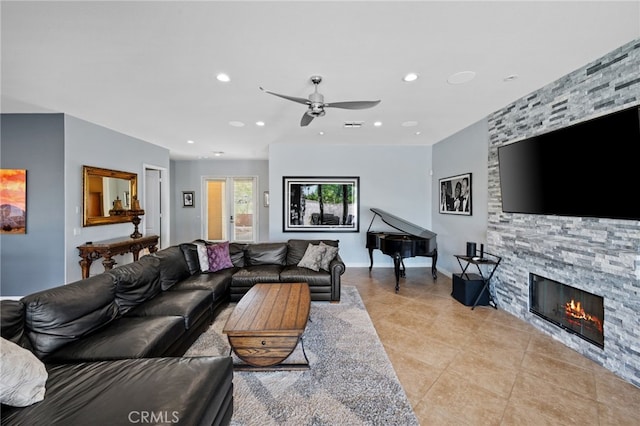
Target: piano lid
{"x": 402, "y": 225}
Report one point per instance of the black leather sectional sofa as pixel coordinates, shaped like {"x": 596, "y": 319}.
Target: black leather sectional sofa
{"x": 112, "y": 343}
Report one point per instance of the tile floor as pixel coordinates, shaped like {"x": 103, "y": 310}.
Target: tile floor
{"x": 484, "y": 367}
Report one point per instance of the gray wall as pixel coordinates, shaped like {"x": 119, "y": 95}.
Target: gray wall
{"x": 463, "y": 152}
{"x": 35, "y": 260}
{"x": 395, "y": 178}
{"x": 187, "y": 224}
{"x": 600, "y": 256}
{"x": 53, "y": 148}
{"x": 87, "y": 144}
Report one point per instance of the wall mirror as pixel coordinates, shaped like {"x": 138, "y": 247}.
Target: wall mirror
{"x": 101, "y": 189}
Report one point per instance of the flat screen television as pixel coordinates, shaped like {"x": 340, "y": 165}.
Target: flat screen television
{"x": 590, "y": 169}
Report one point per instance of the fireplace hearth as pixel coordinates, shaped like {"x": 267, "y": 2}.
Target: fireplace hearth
{"x": 574, "y": 310}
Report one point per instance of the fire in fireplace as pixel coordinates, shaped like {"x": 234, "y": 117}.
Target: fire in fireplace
{"x": 577, "y": 311}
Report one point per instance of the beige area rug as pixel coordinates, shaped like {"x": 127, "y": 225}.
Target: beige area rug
{"x": 350, "y": 380}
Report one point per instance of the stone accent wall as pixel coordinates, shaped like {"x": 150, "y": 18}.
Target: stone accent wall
{"x": 601, "y": 256}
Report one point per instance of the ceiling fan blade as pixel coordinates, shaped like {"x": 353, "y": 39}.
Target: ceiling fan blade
{"x": 352, "y": 104}
{"x": 306, "y": 119}
{"x": 290, "y": 98}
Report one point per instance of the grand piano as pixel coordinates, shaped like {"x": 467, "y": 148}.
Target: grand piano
{"x": 410, "y": 242}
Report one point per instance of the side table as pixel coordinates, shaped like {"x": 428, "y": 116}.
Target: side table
{"x": 491, "y": 261}
{"x": 108, "y": 248}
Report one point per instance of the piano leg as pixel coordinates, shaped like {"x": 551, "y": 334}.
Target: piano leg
{"x": 397, "y": 260}
{"x": 371, "y": 258}
{"x": 434, "y": 271}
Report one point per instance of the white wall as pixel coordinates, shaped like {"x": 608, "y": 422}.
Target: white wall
{"x": 463, "y": 152}
{"x": 395, "y": 178}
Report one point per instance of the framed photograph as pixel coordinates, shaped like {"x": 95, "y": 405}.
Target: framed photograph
{"x": 321, "y": 204}
{"x": 188, "y": 199}
{"x": 13, "y": 201}
{"x": 455, "y": 195}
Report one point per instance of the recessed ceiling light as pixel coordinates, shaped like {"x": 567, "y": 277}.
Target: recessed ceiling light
{"x": 236, "y": 123}
{"x": 510, "y": 78}
{"x": 418, "y": 133}
{"x": 321, "y": 133}
{"x": 260, "y": 123}
{"x": 412, "y": 76}
{"x": 409, "y": 124}
{"x": 461, "y": 77}
{"x": 218, "y": 153}
{"x": 377, "y": 123}
{"x": 190, "y": 141}
{"x": 223, "y": 77}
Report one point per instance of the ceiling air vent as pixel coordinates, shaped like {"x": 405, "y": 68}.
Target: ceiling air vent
{"x": 353, "y": 124}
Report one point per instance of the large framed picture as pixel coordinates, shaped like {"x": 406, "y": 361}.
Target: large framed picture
{"x": 321, "y": 204}
{"x": 455, "y": 195}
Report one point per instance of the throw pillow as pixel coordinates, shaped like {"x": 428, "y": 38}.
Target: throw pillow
{"x": 330, "y": 253}
{"x": 22, "y": 376}
{"x": 219, "y": 258}
{"x": 202, "y": 256}
{"x": 312, "y": 258}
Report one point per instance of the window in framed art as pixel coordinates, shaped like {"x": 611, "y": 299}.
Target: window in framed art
{"x": 321, "y": 204}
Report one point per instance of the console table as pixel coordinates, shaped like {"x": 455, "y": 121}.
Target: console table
{"x": 492, "y": 261}
{"x": 109, "y": 248}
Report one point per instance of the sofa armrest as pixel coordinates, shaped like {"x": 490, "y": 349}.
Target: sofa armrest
{"x": 336, "y": 268}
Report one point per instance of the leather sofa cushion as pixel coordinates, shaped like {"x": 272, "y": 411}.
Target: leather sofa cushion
{"x": 296, "y": 274}
{"x": 188, "y": 304}
{"x": 173, "y": 266}
{"x": 136, "y": 282}
{"x": 250, "y": 275}
{"x": 126, "y": 337}
{"x": 190, "y": 252}
{"x": 297, "y": 249}
{"x": 12, "y": 322}
{"x": 217, "y": 283}
{"x": 60, "y": 315}
{"x": 266, "y": 254}
{"x": 103, "y": 393}
{"x": 236, "y": 252}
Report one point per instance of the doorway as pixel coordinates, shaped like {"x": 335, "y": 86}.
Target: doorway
{"x": 230, "y": 209}
{"x": 156, "y": 221}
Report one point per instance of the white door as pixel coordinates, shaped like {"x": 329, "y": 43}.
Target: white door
{"x": 152, "y": 203}
{"x": 230, "y": 205}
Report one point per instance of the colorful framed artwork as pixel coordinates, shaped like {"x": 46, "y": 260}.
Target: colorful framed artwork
{"x": 13, "y": 201}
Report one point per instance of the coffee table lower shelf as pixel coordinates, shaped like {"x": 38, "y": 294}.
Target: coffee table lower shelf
{"x": 266, "y": 326}
{"x": 250, "y": 359}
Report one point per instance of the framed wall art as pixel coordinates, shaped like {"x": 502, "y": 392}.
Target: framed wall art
{"x": 13, "y": 201}
{"x": 321, "y": 204}
{"x": 455, "y": 195}
{"x": 188, "y": 199}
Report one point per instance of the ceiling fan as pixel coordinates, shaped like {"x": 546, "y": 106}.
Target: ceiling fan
{"x": 317, "y": 104}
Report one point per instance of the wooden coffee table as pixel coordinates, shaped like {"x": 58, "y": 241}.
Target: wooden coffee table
{"x": 266, "y": 324}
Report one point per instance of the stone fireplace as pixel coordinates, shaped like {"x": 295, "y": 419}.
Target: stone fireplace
{"x": 595, "y": 256}
{"x": 574, "y": 310}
